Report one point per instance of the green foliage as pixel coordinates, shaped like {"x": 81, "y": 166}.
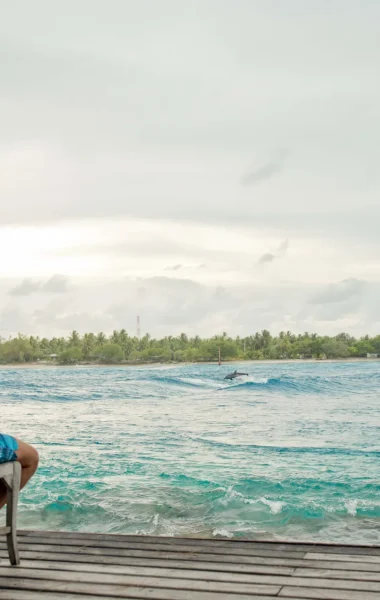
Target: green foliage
{"x": 18, "y": 350}
{"x": 70, "y": 356}
{"x": 108, "y": 353}
{"x": 119, "y": 347}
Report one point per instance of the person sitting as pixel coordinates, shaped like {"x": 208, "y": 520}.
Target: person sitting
{"x": 14, "y": 449}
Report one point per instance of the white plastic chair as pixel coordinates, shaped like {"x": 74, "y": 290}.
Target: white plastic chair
{"x": 10, "y": 474}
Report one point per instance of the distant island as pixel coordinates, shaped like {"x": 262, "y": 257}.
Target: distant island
{"x": 121, "y": 348}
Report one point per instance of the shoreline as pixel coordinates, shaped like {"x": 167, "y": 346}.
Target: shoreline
{"x": 47, "y": 365}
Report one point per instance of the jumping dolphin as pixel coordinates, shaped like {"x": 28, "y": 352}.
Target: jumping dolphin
{"x": 234, "y": 375}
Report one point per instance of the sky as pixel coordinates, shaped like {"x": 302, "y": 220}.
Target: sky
{"x": 209, "y": 165}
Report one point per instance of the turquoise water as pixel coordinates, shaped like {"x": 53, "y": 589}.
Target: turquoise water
{"x": 292, "y": 451}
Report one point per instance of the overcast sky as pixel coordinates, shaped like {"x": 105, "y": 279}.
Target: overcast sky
{"x": 211, "y": 165}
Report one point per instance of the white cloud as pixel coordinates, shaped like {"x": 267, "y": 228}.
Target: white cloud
{"x": 339, "y": 292}
{"x": 125, "y": 121}
{"x": 123, "y": 145}
{"x": 171, "y": 305}
{"x": 173, "y": 268}
{"x": 57, "y": 284}
{"x": 25, "y": 288}
{"x": 269, "y": 257}
{"x": 265, "y": 171}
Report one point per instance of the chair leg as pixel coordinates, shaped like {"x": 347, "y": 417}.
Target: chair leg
{"x": 13, "y": 488}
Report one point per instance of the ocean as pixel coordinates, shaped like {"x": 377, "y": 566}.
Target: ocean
{"x": 290, "y": 452}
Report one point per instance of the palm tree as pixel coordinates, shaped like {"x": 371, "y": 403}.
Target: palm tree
{"x": 123, "y": 335}
{"x": 196, "y": 341}
{"x": 74, "y": 338}
{"x": 45, "y": 345}
{"x": 266, "y": 337}
{"x": 101, "y": 339}
{"x": 33, "y": 341}
{"x": 114, "y": 337}
{"x": 88, "y": 344}
{"x": 61, "y": 343}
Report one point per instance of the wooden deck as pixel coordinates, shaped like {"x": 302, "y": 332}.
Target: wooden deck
{"x": 73, "y": 566}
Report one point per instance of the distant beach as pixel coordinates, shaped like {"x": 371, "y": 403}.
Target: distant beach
{"x": 40, "y": 365}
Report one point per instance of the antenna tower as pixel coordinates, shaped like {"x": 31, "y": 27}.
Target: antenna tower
{"x": 138, "y": 329}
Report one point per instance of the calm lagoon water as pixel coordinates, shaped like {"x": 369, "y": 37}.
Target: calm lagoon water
{"x": 292, "y": 451}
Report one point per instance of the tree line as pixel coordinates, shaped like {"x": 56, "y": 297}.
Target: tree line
{"x": 120, "y": 347}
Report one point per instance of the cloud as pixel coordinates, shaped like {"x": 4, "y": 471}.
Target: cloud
{"x": 339, "y": 292}
{"x": 60, "y": 317}
{"x": 86, "y": 322}
{"x": 269, "y": 257}
{"x": 266, "y": 258}
{"x": 129, "y": 172}
{"x": 161, "y": 151}
{"x": 187, "y": 267}
{"x": 14, "y": 320}
{"x": 171, "y": 305}
{"x": 283, "y": 248}
{"x": 261, "y": 174}
{"x": 58, "y": 284}
{"x": 265, "y": 171}
{"x": 25, "y": 288}
{"x": 351, "y": 299}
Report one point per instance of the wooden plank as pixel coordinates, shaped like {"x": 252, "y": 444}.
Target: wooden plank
{"x": 201, "y": 568}
{"x": 112, "y": 537}
{"x": 172, "y": 541}
{"x": 343, "y": 584}
{"x": 196, "y": 580}
{"x": 337, "y": 574}
{"x": 338, "y": 565}
{"x": 252, "y": 549}
{"x": 199, "y": 561}
{"x": 174, "y": 561}
{"x": 263, "y": 585}
{"x": 120, "y": 541}
{"x": 342, "y": 557}
{"x": 123, "y": 574}
{"x": 357, "y": 550}
{"x": 139, "y": 557}
{"x": 129, "y": 541}
{"x": 270, "y": 544}
{"x": 11, "y": 594}
{"x": 293, "y": 592}
{"x": 123, "y": 591}
{"x": 154, "y": 550}
{"x": 28, "y": 595}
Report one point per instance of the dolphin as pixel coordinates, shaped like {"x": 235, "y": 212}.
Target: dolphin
{"x": 234, "y": 375}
